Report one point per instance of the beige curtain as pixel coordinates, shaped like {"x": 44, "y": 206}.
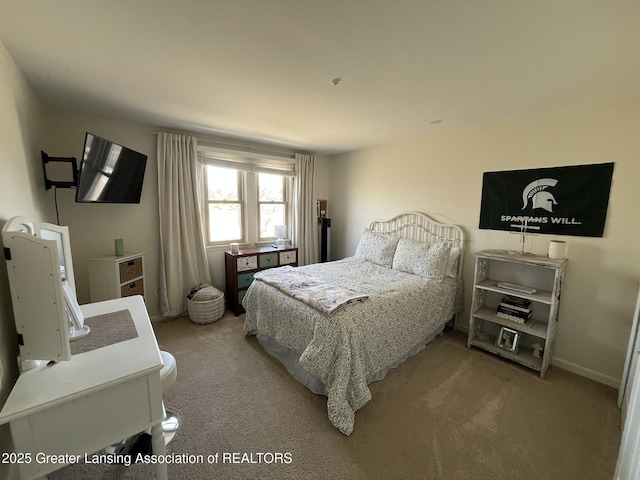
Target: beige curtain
{"x": 183, "y": 262}
{"x": 305, "y": 233}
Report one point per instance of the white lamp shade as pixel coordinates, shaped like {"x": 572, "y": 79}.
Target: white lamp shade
{"x": 280, "y": 231}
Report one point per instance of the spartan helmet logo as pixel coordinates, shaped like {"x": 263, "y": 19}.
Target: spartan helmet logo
{"x": 540, "y": 198}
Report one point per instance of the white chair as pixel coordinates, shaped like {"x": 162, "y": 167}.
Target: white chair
{"x": 168, "y": 375}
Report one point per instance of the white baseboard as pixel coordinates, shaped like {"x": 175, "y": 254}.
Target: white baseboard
{"x": 571, "y": 367}
{"x": 586, "y": 372}
{"x": 161, "y": 318}
{"x": 158, "y": 318}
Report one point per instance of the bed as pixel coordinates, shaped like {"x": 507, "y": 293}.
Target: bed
{"x": 338, "y": 326}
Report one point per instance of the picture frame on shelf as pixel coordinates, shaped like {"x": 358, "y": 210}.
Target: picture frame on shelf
{"x": 508, "y": 339}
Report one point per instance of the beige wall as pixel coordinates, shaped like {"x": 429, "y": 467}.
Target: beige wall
{"x": 441, "y": 174}
{"x": 21, "y": 187}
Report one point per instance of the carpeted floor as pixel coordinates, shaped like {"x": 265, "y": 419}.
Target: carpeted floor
{"x": 446, "y": 413}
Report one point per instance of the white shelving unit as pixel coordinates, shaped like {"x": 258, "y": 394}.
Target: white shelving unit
{"x": 543, "y": 274}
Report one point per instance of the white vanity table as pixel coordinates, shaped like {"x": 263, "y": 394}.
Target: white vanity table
{"x": 94, "y": 400}
{"x": 74, "y": 398}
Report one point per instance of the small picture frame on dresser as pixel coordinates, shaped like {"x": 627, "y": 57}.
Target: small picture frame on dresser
{"x": 508, "y": 339}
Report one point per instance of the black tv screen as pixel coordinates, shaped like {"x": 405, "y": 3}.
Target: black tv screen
{"x": 109, "y": 173}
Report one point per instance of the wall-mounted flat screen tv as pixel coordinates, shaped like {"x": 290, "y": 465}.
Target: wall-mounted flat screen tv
{"x": 109, "y": 173}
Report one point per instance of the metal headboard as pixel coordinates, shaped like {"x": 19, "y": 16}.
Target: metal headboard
{"x": 421, "y": 227}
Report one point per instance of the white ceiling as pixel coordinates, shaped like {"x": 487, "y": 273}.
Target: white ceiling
{"x": 263, "y": 69}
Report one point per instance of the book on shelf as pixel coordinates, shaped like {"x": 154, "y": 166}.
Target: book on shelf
{"x": 514, "y": 311}
{"x": 512, "y": 318}
{"x": 516, "y": 303}
{"x": 513, "y": 314}
{"x": 517, "y": 309}
{"x": 513, "y": 300}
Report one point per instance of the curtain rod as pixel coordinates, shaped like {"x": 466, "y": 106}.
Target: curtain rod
{"x": 248, "y": 148}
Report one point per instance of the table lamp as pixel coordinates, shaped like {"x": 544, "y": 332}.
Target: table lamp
{"x": 280, "y": 231}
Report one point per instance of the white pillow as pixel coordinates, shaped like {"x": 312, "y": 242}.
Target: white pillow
{"x": 452, "y": 263}
{"x": 427, "y": 260}
{"x": 377, "y": 248}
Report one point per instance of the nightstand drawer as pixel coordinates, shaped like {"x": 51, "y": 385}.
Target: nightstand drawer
{"x": 133, "y": 288}
{"x": 130, "y": 269}
{"x": 268, "y": 260}
{"x": 244, "y": 280}
{"x": 247, "y": 263}
{"x": 288, "y": 257}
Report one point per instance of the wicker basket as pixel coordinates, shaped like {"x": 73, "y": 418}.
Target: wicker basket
{"x": 207, "y": 311}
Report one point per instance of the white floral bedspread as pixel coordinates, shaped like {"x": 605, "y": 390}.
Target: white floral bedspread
{"x": 324, "y": 297}
{"x": 345, "y": 348}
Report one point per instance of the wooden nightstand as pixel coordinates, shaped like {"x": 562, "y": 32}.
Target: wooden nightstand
{"x": 241, "y": 267}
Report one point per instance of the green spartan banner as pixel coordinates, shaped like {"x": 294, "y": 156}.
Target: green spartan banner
{"x": 560, "y": 201}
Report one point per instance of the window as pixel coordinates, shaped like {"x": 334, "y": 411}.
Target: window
{"x": 272, "y": 205}
{"x": 225, "y": 205}
{"x": 244, "y": 203}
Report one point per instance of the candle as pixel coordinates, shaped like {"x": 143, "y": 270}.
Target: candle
{"x": 119, "y": 247}
{"x": 557, "y": 249}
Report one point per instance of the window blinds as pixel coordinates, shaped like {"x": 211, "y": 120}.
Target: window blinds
{"x": 247, "y": 161}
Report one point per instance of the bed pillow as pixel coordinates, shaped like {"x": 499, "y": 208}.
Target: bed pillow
{"x": 452, "y": 263}
{"x": 427, "y": 260}
{"x": 377, "y": 248}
